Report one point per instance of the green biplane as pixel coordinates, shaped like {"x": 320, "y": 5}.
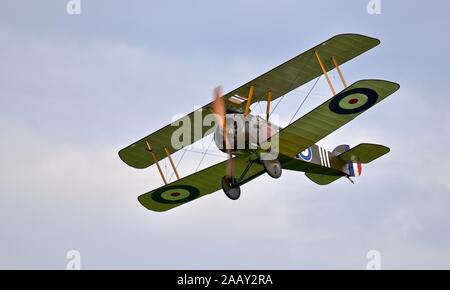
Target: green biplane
{"x": 265, "y": 147}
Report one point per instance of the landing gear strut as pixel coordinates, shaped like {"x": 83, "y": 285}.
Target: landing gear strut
{"x": 272, "y": 167}
{"x": 231, "y": 187}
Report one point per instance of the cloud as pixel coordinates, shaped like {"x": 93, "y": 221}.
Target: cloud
{"x": 72, "y": 96}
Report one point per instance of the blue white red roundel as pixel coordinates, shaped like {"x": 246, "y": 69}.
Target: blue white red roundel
{"x": 306, "y": 154}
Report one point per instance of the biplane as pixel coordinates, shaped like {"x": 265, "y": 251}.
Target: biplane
{"x": 296, "y": 147}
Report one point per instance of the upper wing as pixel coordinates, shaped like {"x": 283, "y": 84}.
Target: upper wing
{"x": 333, "y": 114}
{"x": 280, "y": 80}
{"x": 196, "y": 185}
{"x": 304, "y": 67}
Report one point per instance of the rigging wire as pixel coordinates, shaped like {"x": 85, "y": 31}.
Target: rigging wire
{"x": 178, "y": 163}
{"x": 165, "y": 168}
{"x": 207, "y": 153}
{"x": 203, "y": 157}
{"x": 270, "y": 114}
{"x": 259, "y": 104}
{"x": 282, "y": 97}
{"x": 304, "y": 100}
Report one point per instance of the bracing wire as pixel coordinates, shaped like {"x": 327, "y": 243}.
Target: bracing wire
{"x": 259, "y": 104}
{"x": 282, "y": 97}
{"x": 165, "y": 168}
{"x": 207, "y": 153}
{"x": 204, "y": 154}
{"x": 270, "y": 114}
{"x": 178, "y": 163}
{"x": 304, "y": 100}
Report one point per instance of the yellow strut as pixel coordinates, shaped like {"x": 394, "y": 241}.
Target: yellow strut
{"x": 171, "y": 162}
{"x": 249, "y": 100}
{"x": 269, "y": 98}
{"x": 339, "y": 72}
{"x": 325, "y": 73}
{"x": 269, "y": 130}
{"x": 156, "y": 161}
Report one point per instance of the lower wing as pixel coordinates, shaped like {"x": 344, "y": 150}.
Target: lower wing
{"x": 196, "y": 185}
{"x": 333, "y": 114}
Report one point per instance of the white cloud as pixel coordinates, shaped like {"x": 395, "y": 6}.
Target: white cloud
{"x": 70, "y": 103}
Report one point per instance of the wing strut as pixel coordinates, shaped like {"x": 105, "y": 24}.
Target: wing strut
{"x": 171, "y": 162}
{"x": 155, "y": 159}
{"x": 336, "y": 65}
{"x": 249, "y": 100}
{"x": 339, "y": 72}
{"x": 269, "y": 99}
{"x": 325, "y": 72}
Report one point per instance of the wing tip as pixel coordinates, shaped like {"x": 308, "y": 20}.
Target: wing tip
{"x": 384, "y": 147}
{"x": 142, "y": 200}
{"x": 358, "y": 35}
{"x": 123, "y": 156}
{"x": 395, "y": 86}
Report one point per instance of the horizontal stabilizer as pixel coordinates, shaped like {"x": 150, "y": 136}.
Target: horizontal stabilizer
{"x": 364, "y": 153}
{"x": 322, "y": 179}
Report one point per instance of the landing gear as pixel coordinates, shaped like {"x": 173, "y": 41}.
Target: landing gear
{"x": 272, "y": 167}
{"x": 231, "y": 187}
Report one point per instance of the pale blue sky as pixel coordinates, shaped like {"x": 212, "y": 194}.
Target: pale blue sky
{"x": 76, "y": 89}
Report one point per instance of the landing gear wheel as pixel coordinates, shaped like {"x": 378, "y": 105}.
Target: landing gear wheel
{"x": 231, "y": 188}
{"x": 272, "y": 167}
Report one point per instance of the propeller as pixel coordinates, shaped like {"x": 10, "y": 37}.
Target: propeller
{"x": 218, "y": 107}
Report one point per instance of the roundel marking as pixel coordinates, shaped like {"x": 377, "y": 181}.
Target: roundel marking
{"x": 175, "y": 194}
{"x": 306, "y": 154}
{"x": 353, "y": 101}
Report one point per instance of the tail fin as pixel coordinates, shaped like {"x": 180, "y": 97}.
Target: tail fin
{"x": 354, "y": 167}
{"x": 362, "y": 153}
{"x": 340, "y": 149}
